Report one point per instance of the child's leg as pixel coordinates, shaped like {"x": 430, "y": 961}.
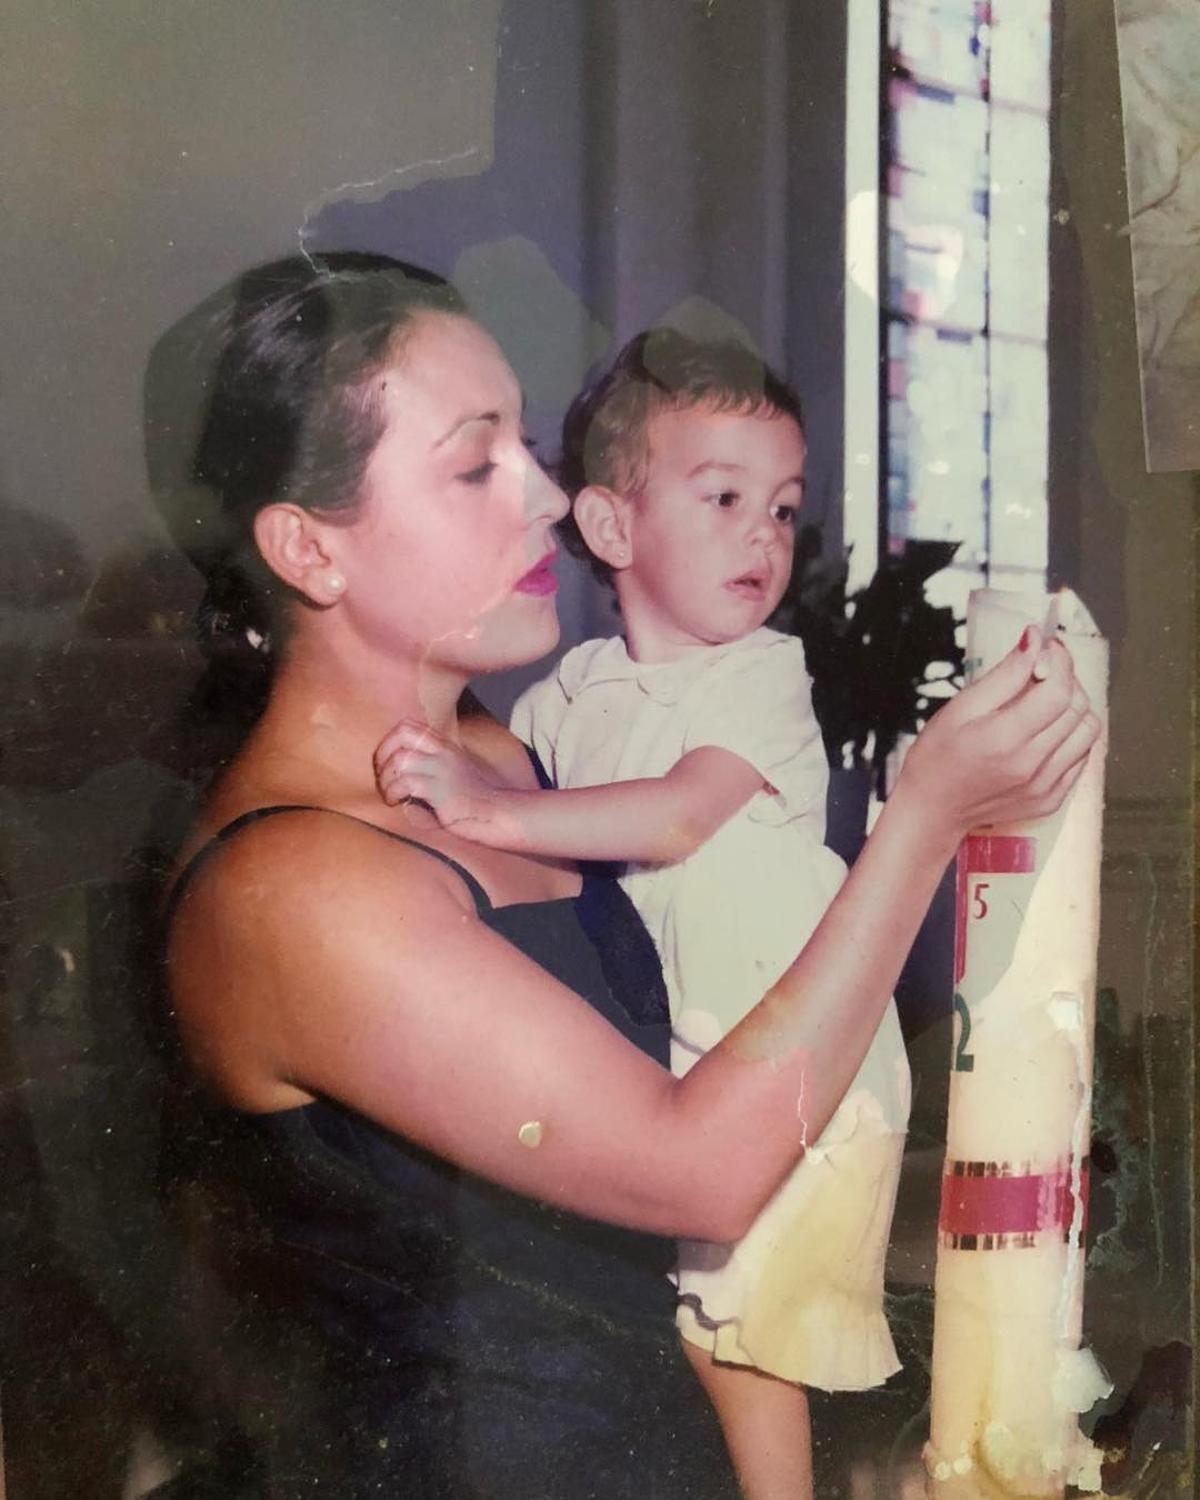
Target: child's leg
{"x": 765, "y": 1424}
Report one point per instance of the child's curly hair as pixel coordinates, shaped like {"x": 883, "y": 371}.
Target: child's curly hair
{"x": 604, "y": 436}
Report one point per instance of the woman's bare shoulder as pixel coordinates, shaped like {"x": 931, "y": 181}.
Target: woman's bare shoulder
{"x": 282, "y": 857}
{"x": 270, "y": 928}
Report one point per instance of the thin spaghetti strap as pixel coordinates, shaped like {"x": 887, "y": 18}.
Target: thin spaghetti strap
{"x": 483, "y": 901}
{"x": 539, "y": 770}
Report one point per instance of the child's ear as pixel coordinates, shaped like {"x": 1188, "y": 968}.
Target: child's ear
{"x": 605, "y": 521}
{"x": 292, "y": 543}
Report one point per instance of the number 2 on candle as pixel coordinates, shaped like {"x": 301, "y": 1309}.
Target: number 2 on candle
{"x": 964, "y": 1061}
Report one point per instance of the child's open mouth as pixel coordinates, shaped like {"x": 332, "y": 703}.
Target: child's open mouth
{"x": 749, "y": 585}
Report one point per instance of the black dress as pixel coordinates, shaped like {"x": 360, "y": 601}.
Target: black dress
{"x": 389, "y": 1325}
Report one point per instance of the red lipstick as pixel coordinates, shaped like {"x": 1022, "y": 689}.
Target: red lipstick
{"x": 540, "y": 579}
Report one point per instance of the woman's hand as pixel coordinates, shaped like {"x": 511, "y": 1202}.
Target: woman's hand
{"x": 412, "y": 762}
{"x": 1008, "y": 748}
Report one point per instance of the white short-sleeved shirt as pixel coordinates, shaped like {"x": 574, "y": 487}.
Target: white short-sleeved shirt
{"x": 729, "y": 919}
{"x": 601, "y": 717}
{"x": 801, "y": 1294}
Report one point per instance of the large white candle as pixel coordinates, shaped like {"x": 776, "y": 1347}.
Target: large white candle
{"x": 1009, "y": 1376}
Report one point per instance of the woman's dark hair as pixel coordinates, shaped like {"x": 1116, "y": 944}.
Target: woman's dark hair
{"x": 294, "y": 414}
{"x": 604, "y": 438}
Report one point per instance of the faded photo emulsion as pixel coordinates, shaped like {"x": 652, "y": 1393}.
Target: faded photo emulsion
{"x": 596, "y": 875}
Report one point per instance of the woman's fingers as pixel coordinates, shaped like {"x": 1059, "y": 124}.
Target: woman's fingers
{"x": 1047, "y": 740}
{"x": 1009, "y": 743}
{"x": 1036, "y": 678}
{"x": 1042, "y": 790}
{"x": 1048, "y": 700}
{"x": 1003, "y": 682}
{"x": 1058, "y": 790}
{"x": 1041, "y": 667}
{"x": 1070, "y": 754}
{"x": 1055, "y": 727}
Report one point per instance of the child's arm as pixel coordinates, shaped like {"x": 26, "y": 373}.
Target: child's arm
{"x": 653, "y": 820}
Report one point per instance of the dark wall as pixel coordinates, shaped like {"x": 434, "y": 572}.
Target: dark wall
{"x": 651, "y": 161}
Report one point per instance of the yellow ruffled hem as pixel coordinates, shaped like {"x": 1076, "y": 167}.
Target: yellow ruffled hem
{"x": 815, "y": 1348}
{"x": 801, "y": 1296}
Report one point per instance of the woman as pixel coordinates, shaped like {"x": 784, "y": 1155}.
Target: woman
{"x": 438, "y": 1139}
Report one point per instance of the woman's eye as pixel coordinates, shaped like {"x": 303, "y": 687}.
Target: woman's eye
{"x": 480, "y": 474}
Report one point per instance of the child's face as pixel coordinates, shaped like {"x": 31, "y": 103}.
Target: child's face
{"x": 713, "y": 529}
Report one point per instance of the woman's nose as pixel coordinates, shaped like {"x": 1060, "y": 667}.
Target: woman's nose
{"x": 543, "y": 498}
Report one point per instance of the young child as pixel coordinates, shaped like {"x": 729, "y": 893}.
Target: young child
{"x": 688, "y": 751}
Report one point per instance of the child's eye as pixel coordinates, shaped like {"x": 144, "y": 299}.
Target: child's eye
{"x": 480, "y": 474}
{"x": 723, "y": 499}
{"x": 786, "y": 514}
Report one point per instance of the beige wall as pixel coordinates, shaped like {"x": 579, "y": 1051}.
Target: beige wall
{"x": 1135, "y": 547}
{"x": 150, "y": 150}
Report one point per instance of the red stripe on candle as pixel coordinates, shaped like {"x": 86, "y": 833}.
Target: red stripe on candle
{"x": 987, "y": 1198}
{"x": 986, "y": 854}
{"x": 999, "y": 854}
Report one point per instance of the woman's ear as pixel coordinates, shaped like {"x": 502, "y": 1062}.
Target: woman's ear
{"x": 292, "y": 542}
{"x": 605, "y": 521}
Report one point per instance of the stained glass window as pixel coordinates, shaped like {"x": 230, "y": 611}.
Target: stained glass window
{"x": 965, "y": 286}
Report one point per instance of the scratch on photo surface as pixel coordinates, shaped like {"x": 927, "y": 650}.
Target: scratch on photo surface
{"x": 54, "y": 890}
{"x": 800, "y": 1115}
{"x": 1153, "y": 933}
{"x": 375, "y": 187}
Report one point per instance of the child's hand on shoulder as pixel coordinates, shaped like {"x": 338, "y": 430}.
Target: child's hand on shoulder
{"x": 412, "y": 761}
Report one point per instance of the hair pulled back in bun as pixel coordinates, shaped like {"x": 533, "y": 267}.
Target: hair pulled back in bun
{"x": 293, "y": 414}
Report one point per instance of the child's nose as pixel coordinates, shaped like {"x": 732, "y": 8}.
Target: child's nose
{"x": 762, "y": 529}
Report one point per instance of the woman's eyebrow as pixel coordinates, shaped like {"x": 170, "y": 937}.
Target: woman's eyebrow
{"x": 494, "y": 417}
{"x": 476, "y": 416}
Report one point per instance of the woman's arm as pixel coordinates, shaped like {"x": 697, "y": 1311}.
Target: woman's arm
{"x": 371, "y": 981}
{"x": 650, "y": 820}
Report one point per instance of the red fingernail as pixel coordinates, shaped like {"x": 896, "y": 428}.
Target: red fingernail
{"x": 1026, "y": 635}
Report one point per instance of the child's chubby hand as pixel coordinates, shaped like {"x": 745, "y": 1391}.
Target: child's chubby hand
{"x": 413, "y": 762}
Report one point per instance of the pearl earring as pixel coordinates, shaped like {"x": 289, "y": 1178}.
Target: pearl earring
{"x": 335, "y": 583}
